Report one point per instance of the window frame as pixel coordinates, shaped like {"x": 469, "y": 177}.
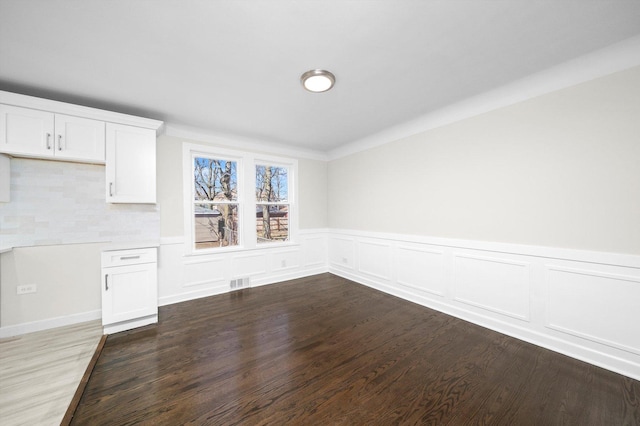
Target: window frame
{"x": 246, "y": 163}
{"x": 237, "y": 202}
{"x": 268, "y": 163}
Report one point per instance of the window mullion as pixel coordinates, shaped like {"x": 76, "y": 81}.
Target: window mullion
{"x": 249, "y": 229}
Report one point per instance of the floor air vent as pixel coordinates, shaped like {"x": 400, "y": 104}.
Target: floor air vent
{"x": 239, "y": 283}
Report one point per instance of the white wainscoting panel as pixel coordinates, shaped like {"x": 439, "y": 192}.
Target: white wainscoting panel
{"x": 315, "y": 251}
{"x": 421, "y": 269}
{"x": 285, "y": 260}
{"x": 203, "y": 272}
{"x": 597, "y": 306}
{"x": 583, "y": 304}
{"x": 492, "y": 283}
{"x": 341, "y": 252}
{"x": 246, "y": 265}
{"x": 184, "y": 277}
{"x": 374, "y": 259}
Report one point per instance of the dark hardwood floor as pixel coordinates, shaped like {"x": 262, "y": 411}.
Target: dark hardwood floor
{"x": 326, "y": 351}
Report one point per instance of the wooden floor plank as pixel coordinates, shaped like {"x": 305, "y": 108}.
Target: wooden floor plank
{"x": 324, "y": 350}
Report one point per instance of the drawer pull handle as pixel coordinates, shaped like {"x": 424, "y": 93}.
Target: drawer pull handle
{"x": 106, "y": 282}
{"x": 48, "y": 140}
{"x": 129, "y": 257}
{"x": 110, "y": 189}
{"x": 59, "y": 142}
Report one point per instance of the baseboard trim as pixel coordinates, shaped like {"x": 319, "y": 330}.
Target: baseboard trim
{"x": 192, "y": 295}
{"x": 130, "y": 324}
{"x": 564, "y": 347}
{"x": 30, "y": 327}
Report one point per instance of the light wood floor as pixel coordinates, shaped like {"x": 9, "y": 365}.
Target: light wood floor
{"x": 40, "y": 372}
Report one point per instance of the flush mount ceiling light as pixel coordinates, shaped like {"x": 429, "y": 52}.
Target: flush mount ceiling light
{"x": 317, "y": 80}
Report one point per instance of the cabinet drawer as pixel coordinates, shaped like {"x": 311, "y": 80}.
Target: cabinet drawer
{"x": 129, "y": 257}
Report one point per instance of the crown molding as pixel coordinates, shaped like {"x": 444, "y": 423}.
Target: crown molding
{"x": 230, "y": 140}
{"x": 614, "y": 58}
{"x": 24, "y": 101}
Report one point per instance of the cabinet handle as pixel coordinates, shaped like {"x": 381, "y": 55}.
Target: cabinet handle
{"x": 129, "y": 257}
{"x": 110, "y": 189}
{"x": 106, "y": 282}
{"x": 59, "y": 142}
{"x": 48, "y": 140}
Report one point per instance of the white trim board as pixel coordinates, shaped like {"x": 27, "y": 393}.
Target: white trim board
{"x": 46, "y": 324}
{"x": 526, "y": 292}
{"x": 232, "y": 141}
{"x": 521, "y": 291}
{"x": 604, "y": 258}
{"x": 48, "y": 105}
{"x": 617, "y": 57}
{"x": 183, "y": 277}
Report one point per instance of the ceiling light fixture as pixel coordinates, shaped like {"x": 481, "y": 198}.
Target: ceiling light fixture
{"x": 317, "y": 81}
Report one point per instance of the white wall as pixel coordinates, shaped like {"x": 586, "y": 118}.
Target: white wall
{"x": 560, "y": 170}
{"x": 525, "y": 220}
{"x": 57, "y": 221}
{"x": 183, "y": 277}
{"x": 68, "y": 287}
{"x": 583, "y": 304}
{"x": 58, "y": 217}
{"x": 312, "y": 184}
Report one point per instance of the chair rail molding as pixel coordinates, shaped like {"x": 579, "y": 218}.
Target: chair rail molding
{"x": 560, "y": 299}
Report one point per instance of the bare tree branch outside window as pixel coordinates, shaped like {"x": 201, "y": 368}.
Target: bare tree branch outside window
{"x": 272, "y": 209}
{"x": 216, "y": 202}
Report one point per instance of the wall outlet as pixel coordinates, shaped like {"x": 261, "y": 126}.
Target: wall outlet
{"x": 27, "y": 288}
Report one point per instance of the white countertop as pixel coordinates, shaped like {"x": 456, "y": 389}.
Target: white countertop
{"x": 109, "y": 246}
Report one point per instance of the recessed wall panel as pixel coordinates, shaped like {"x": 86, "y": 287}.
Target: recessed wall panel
{"x": 601, "y": 307}
{"x": 421, "y": 269}
{"x": 375, "y": 259}
{"x": 203, "y": 272}
{"x": 284, "y": 260}
{"x": 341, "y": 252}
{"x": 246, "y": 266}
{"x": 498, "y": 285}
{"x": 315, "y": 251}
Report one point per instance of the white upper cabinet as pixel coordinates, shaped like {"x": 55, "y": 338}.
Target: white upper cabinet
{"x": 79, "y": 138}
{"x": 5, "y": 179}
{"x": 31, "y": 132}
{"x": 131, "y": 164}
{"x": 25, "y": 131}
{"x": 41, "y": 128}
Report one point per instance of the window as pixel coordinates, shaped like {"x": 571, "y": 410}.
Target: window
{"x": 272, "y": 203}
{"x": 215, "y": 198}
{"x": 236, "y": 200}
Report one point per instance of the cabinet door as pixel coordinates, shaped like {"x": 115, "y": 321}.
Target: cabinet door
{"x": 131, "y": 164}
{"x": 5, "y": 179}
{"x": 129, "y": 292}
{"x": 79, "y": 139}
{"x": 25, "y": 131}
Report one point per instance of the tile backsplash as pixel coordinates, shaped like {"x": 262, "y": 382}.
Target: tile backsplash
{"x": 55, "y": 202}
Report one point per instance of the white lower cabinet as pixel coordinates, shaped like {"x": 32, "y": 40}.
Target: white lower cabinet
{"x": 129, "y": 289}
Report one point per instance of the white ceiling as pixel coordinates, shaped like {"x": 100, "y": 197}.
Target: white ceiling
{"x": 233, "y": 66}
